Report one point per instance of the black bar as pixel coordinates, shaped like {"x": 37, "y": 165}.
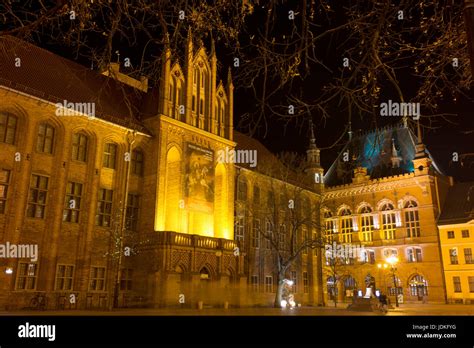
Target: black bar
{"x": 240, "y": 330}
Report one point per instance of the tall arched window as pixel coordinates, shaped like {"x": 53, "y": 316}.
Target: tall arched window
{"x": 174, "y": 98}
{"x": 330, "y": 230}
{"x": 242, "y": 190}
{"x": 45, "y": 139}
{"x": 366, "y": 223}
{"x": 79, "y": 147}
{"x": 8, "y": 124}
{"x": 388, "y": 221}
{"x": 110, "y": 155}
{"x": 346, "y": 226}
{"x": 412, "y": 220}
{"x": 256, "y": 196}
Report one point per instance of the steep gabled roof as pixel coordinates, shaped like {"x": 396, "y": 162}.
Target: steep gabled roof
{"x": 373, "y": 150}
{"x": 271, "y": 165}
{"x": 459, "y": 204}
{"x": 48, "y": 76}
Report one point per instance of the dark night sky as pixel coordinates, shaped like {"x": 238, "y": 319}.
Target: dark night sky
{"x": 442, "y": 142}
{"x": 442, "y": 139}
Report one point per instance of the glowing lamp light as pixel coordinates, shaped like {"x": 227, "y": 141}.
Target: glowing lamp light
{"x": 377, "y": 293}
{"x": 392, "y": 260}
{"x": 283, "y": 303}
{"x": 289, "y": 282}
{"x": 9, "y": 271}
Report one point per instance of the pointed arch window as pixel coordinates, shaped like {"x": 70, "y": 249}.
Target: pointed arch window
{"x": 45, "y": 139}
{"x": 242, "y": 190}
{"x": 79, "y": 147}
{"x": 8, "y": 125}
{"x": 110, "y": 155}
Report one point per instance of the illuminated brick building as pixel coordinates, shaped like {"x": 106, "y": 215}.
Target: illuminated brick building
{"x": 141, "y": 176}
{"x": 385, "y": 192}
{"x": 147, "y": 152}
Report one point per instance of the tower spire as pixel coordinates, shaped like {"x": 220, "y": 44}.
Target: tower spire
{"x": 421, "y": 162}
{"x": 395, "y": 157}
{"x": 420, "y": 147}
{"x": 420, "y": 140}
{"x": 312, "y": 139}
{"x": 314, "y": 162}
{"x": 213, "y": 47}
{"x": 229, "y": 76}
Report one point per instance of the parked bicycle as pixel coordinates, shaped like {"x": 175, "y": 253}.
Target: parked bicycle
{"x": 39, "y": 302}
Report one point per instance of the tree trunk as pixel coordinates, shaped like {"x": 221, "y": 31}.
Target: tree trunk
{"x": 279, "y": 292}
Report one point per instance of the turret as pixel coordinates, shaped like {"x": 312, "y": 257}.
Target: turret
{"x": 213, "y": 116}
{"x": 314, "y": 163}
{"x": 165, "y": 97}
{"x": 189, "y": 77}
{"x": 421, "y": 162}
{"x": 230, "y": 116}
{"x": 396, "y": 159}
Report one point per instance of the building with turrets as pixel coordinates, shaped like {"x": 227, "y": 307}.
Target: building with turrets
{"x": 384, "y": 193}
{"x": 117, "y": 182}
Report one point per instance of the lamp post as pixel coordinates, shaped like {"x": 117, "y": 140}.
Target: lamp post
{"x": 384, "y": 266}
{"x": 392, "y": 260}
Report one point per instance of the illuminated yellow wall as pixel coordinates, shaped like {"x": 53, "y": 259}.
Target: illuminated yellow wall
{"x": 172, "y": 211}
{"x": 172, "y": 189}
{"x": 462, "y": 269}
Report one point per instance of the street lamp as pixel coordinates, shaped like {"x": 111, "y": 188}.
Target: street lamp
{"x": 384, "y": 266}
{"x": 392, "y": 260}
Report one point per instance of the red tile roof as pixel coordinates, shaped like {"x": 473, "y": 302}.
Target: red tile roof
{"x": 48, "y": 76}
{"x": 270, "y": 164}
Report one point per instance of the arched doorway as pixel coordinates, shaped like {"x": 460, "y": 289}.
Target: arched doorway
{"x": 418, "y": 287}
{"x": 205, "y": 281}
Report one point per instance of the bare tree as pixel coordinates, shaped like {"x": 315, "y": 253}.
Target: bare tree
{"x": 338, "y": 265}
{"x": 289, "y": 215}
{"x": 275, "y": 47}
{"x": 122, "y": 243}
{"x": 391, "y": 45}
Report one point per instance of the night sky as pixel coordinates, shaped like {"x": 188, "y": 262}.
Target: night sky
{"x": 446, "y": 137}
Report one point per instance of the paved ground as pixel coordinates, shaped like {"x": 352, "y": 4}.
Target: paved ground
{"x": 404, "y": 309}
